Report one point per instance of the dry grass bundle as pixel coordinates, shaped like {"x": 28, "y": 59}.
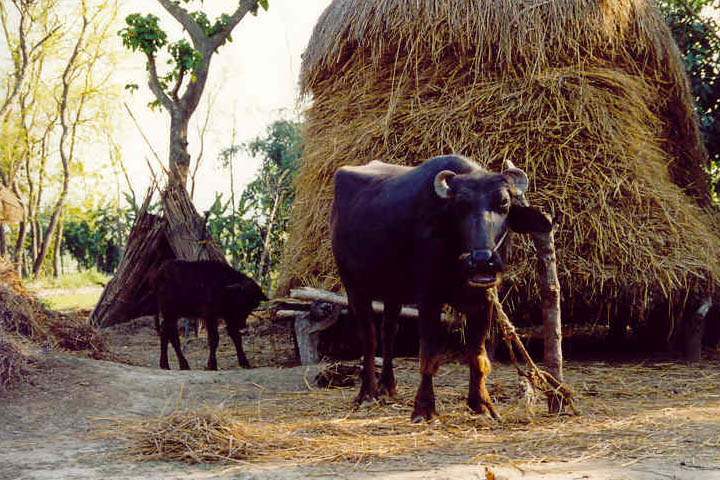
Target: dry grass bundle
{"x": 23, "y": 315}
{"x": 13, "y": 362}
{"x": 630, "y": 412}
{"x": 590, "y": 98}
{"x": 337, "y": 374}
{"x": 75, "y": 333}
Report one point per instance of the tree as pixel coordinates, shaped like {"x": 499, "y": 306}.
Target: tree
{"x": 698, "y": 37}
{"x": 190, "y": 65}
{"x": 59, "y": 103}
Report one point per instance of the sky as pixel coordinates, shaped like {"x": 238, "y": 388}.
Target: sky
{"x": 254, "y": 81}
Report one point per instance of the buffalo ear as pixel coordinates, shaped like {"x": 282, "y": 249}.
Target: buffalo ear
{"x": 523, "y": 219}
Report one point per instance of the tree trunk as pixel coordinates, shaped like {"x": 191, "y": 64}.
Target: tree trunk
{"x": 57, "y": 246}
{"x": 179, "y": 157}
{"x": 550, "y": 291}
{"x": 49, "y": 232}
{"x": 34, "y": 236}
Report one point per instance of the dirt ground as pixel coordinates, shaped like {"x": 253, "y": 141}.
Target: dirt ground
{"x": 49, "y": 429}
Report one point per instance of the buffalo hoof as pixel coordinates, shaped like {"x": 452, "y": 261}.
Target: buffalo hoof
{"x": 483, "y": 408}
{"x": 165, "y": 366}
{"x": 423, "y": 411}
{"x": 245, "y": 365}
{"x": 211, "y": 369}
{"x": 365, "y": 399}
{"x": 185, "y": 367}
{"x": 387, "y": 391}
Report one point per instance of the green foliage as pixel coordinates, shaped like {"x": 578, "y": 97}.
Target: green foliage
{"x": 210, "y": 29}
{"x": 184, "y": 58}
{"x": 264, "y": 204}
{"x": 95, "y": 236}
{"x": 143, "y": 33}
{"x": 698, "y": 37}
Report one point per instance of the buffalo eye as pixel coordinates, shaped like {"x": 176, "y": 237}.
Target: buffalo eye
{"x": 504, "y": 205}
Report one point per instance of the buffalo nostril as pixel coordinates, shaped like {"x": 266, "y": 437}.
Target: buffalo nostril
{"x": 482, "y": 256}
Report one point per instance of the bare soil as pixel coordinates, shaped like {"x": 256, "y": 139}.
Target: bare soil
{"x": 49, "y": 429}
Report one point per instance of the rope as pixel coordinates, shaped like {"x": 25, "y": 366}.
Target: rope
{"x": 557, "y": 393}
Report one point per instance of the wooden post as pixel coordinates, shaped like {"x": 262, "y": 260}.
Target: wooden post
{"x": 550, "y": 291}
{"x": 693, "y": 331}
{"x": 308, "y": 326}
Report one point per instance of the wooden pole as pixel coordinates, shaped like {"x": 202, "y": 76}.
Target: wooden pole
{"x": 550, "y": 292}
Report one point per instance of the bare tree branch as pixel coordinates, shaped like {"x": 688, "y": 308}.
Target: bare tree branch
{"x": 244, "y": 6}
{"x": 142, "y": 133}
{"x": 201, "y": 134}
{"x": 183, "y": 17}
{"x": 157, "y": 89}
{"x": 207, "y": 48}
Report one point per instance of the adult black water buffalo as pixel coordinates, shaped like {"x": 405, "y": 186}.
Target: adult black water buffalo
{"x": 207, "y": 290}
{"x": 427, "y": 235}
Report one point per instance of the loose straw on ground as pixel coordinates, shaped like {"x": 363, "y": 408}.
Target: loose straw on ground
{"x": 630, "y": 412}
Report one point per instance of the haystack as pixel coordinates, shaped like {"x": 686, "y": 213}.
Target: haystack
{"x": 588, "y": 96}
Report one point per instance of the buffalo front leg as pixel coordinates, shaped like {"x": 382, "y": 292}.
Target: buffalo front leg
{"x": 234, "y": 333}
{"x": 430, "y": 334}
{"x": 213, "y": 342}
{"x": 171, "y": 333}
{"x": 164, "y": 340}
{"x": 390, "y": 325}
{"x": 477, "y": 330}
{"x": 361, "y": 309}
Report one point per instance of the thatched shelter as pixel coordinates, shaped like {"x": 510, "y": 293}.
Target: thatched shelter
{"x": 588, "y": 96}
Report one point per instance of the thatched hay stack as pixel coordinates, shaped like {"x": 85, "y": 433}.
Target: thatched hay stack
{"x": 588, "y": 96}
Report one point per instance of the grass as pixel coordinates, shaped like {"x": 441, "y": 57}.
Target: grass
{"x": 79, "y": 290}
{"x": 79, "y": 300}
{"x": 85, "y": 278}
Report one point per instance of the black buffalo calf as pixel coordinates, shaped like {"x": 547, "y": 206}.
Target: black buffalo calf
{"x": 207, "y": 290}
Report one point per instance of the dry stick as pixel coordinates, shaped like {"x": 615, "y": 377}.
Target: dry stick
{"x": 147, "y": 141}
{"x": 539, "y": 379}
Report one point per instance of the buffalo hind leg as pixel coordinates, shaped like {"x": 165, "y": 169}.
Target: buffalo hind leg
{"x": 478, "y": 328}
{"x": 430, "y": 330}
{"x": 234, "y": 333}
{"x": 361, "y": 309}
{"x": 390, "y": 325}
{"x": 213, "y": 341}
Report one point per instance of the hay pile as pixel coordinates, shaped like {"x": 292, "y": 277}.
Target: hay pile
{"x": 588, "y": 96}
{"x": 13, "y": 362}
{"x": 630, "y": 412}
{"x": 24, "y": 316}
